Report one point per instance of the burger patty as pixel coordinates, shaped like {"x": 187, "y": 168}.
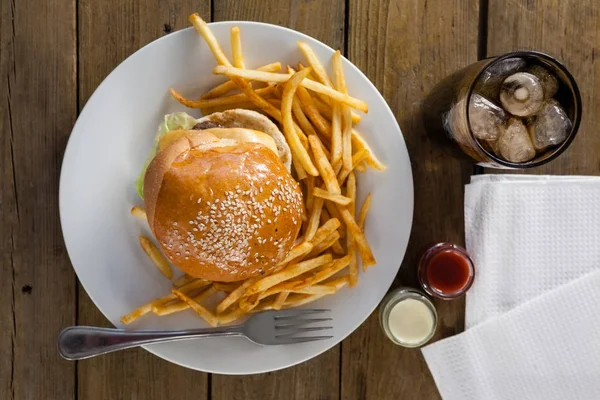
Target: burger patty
{"x": 206, "y": 125}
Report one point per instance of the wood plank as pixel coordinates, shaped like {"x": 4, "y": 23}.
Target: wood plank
{"x": 37, "y": 110}
{"x": 406, "y": 47}
{"x": 109, "y": 31}
{"x": 318, "y": 378}
{"x": 569, "y": 31}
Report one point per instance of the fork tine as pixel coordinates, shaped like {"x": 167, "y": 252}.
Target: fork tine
{"x": 298, "y": 330}
{"x": 300, "y": 322}
{"x": 292, "y": 340}
{"x": 288, "y": 314}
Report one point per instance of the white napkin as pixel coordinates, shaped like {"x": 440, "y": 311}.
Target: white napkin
{"x": 528, "y": 235}
{"x": 547, "y": 348}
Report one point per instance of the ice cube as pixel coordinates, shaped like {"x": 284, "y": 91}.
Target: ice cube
{"x": 491, "y": 78}
{"x": 514, "y": 143}
{"x": 546, "y": 78}
{"x": 550, "y": 126}
{"x": 486, "y": 118}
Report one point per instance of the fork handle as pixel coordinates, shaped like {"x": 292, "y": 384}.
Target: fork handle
{"x": 79, "y": 342}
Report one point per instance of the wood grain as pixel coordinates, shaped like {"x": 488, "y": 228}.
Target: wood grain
{"x": 37, "y": 289}
{"x": 318, "y": 378}
{"x": 569, "y": 31}
{"x": 109, "y": 31}
{"x": 405, "y": 47}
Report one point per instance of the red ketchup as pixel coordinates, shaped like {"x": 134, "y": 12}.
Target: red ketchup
{"x": 446, "y": 271}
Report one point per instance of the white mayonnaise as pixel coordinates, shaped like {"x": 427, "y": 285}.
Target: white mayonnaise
{"x": 411, "y": 322}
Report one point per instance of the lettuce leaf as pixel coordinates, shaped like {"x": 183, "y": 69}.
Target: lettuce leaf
{"x": 179, "y": 120}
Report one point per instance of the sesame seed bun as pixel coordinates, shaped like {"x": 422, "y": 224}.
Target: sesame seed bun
{"x": 222, "y": 209}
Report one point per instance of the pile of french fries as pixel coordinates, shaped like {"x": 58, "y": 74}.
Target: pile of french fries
{"x": 317, "y": 118}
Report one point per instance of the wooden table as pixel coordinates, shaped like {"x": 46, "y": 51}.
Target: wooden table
{"x": 53, "y": 55}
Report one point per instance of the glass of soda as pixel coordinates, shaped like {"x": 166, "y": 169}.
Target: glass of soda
{"x": 519, "y": 110}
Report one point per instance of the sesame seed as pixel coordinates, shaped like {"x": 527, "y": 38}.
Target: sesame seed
{"x": 199, "y": 200}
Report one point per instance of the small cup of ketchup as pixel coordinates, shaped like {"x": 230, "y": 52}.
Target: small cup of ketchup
{"x": 446, "y": 271}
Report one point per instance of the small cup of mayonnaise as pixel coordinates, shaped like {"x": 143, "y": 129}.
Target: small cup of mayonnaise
{"x": 408, "y": 317}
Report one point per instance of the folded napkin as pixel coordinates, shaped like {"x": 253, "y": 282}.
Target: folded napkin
{"x": 547, "y": 348}
{"x": 528, "y": 235}
{"x": 532, "y": 316}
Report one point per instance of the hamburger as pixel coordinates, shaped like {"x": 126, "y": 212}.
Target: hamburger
{"x": 219, "y": 195}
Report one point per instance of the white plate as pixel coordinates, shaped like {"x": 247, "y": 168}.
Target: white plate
{"x": 107, "y": 149}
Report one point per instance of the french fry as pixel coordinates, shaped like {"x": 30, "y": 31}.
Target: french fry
{"x": 275, "y": 102}
{"x": 323, "y": 104}
{"x": 185, "y": 279}
{"x": 312, "y": 113}
{"x": 361, "y": 241}
{"x": 219, "y": 101}
{"x": 335, "y": 214}
{"x": 289, "y": 130}
{"x": 313, "y": 221}
{"x": 285, "y": 286}
{"x": 198, "y": 309}
{"x": 336, "y": 135}
{"x": 204, "y": 30}
{"x": 287, "y": 273}
{"x": 364, "y": 210}
{"x": 236, "y": 47}
{"x": 323, "y": 165}
{"x": 325, "y": 230}
{"x": 137, "y": 313}
{"x": 316, "y": 65}
{"x": 228, "y": 86}
{"x": 303, "y": 122}
{"x": 261, "y": 76}
{"x": 179, "y": 306}
{"x": 249, "y": 303}
{"x": 188, "y": 288}
{"x": 337, "y": 248}
{"x": 335, "y": 267}
{"x": 315, "y": 289}
{"x": 360, "y": 143}
{"x": 310, "y": 184}
{"x": 357, "y": 159}
{"x": 338, "y": 72}
{"x": 324, "y": 245}
{"x": 235, "y": 295}
{"x": 280, "y": 300}
{"x": 350, "y": 242}
{"x": 297, "y": 251}
{"x": 139, "y": 212}
{"x": 231, "y": 316}
{"x": 157, "y": 258}
{"x": 360, "y": 167}
{"x": 300, "y": 171}
{"x": 336, "y": 198}
{"x": 338, "y": 283}
{"x": 297, "y": 300}
{"x": 226, "y": 287}
{"x": 346, "y": 139}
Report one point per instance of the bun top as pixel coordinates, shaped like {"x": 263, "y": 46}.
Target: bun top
{"x": 221, "y": 209}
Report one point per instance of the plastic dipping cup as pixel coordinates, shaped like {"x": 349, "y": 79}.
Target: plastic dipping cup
{"x": 446, "y": 271}
{"x": 407, "y": 317}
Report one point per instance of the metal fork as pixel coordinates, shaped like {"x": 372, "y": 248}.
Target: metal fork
{"x": 266, "y": 328}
